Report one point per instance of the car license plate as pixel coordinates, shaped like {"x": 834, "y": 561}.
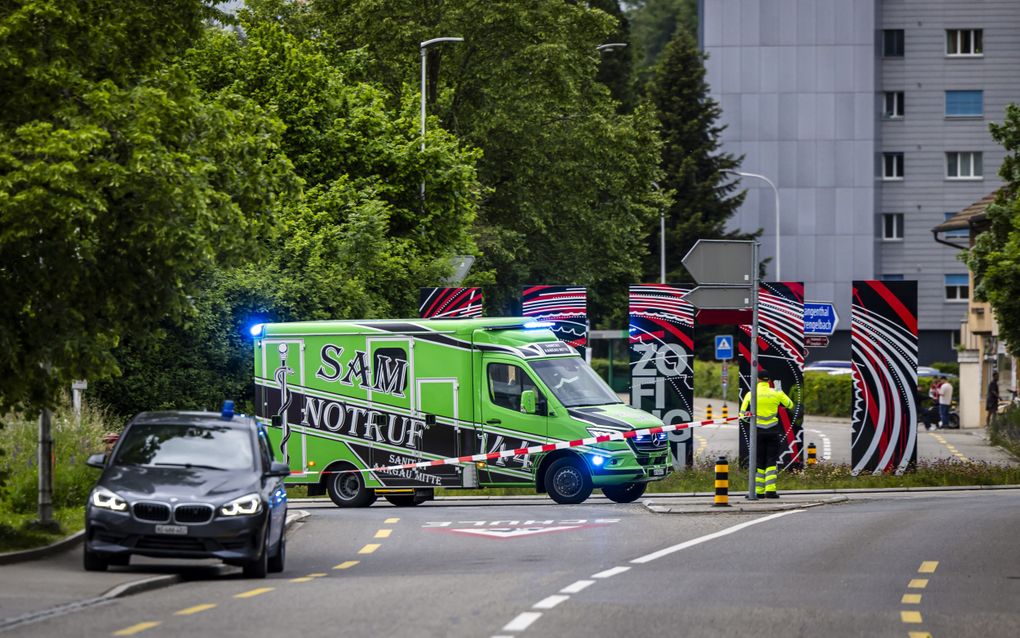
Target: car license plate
{"x": 659, "y": 471}
{"x": 172, "y": 530}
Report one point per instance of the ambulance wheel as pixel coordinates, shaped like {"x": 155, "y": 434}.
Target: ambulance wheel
{"x": 409, "y": 500}
{"x": 567, "y": 481}
{"x": 348, "y": 489}
{"x": 626, "y": 493}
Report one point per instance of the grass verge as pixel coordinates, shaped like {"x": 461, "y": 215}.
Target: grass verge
{"x": 18, "y": 530}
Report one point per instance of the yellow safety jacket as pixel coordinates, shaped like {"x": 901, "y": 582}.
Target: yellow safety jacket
{"x": 769, "y": 400}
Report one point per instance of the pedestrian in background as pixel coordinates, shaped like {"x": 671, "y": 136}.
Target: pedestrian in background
{"x": 769, "y": 434}
{"x": 945, "y": 401}
{"x": 992, "y": 397}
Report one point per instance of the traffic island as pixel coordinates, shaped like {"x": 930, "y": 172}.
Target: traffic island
{"x": 739, "y": 504}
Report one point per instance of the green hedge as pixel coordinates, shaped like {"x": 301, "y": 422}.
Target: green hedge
{"x": 1004, "y": 430}
{"x": 824, "y": 394}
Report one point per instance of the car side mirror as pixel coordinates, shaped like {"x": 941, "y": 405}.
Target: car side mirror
{"x": 277, "y": 468}
{"x": 529, "y": 401}
{"x": 96, "y": 461}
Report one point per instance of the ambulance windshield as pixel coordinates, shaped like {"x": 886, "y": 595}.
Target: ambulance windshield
{"x": 574, "y": 383}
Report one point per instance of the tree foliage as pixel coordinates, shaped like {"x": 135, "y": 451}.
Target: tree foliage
{"x": 654, "y": 23}
{"x": 995, "y": 256}
{"x": 119, "y": 183}
{"x": 704, "y": 197}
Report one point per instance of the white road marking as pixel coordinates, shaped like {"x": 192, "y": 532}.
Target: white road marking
{"x": 550, "y": 601}
{"x": 577, "y": 587}
{"x": 610, "y": 572}
{"x": 647, "y": 558}
{"x": 826, "y": 444}
{"x": 522, "y": 621}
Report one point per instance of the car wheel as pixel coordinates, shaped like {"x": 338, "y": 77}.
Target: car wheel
{"x": 94, "y": 562}
{"x": 568, "y": 482}
{"x": 348, "y": 489}
{"x": 954, "y": 421}
{"x": 626, "y": 493}
{"x": 279, "y": 559}
{"x": 409, "y": 500}
{"x": 260, "y": 566}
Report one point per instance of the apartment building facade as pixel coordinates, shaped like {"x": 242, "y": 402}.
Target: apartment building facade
{"x": 871, "y": 116}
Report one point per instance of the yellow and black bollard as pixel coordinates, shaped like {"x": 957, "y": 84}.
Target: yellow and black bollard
{"x": 722, "y": 483}
{"x": 725, "y": 411}
{"x": 708, "y": 412}
{"x": 812, "y": 454}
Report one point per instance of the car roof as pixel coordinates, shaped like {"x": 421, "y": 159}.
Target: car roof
{"x": 191, "y": 418}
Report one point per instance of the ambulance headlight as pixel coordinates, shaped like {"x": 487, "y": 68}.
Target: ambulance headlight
{"x": 247, "y": 505}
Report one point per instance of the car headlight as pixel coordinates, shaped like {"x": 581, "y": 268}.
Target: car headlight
{"x": 107, "y": 500}
{"x": 247, "y": 505}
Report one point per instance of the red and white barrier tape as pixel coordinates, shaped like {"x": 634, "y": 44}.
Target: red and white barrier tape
{"x": 536, "y": 449}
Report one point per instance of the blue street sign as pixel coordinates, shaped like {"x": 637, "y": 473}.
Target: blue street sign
{"x": 820, "y": 318}
{"x": 724, "y": 347}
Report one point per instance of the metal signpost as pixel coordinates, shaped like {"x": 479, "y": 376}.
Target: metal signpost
{"x": 727, "y": 276}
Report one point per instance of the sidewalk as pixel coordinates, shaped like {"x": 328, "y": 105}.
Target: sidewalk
{"x": 57, "y": 583}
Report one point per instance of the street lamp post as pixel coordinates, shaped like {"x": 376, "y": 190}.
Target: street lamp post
{"x": 424, "y": 50}
{"x": 776, "y": 191}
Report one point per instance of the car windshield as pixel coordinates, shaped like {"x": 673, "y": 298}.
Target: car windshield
{"x": 574, "y": 383}
{"x": 180, "y": 445}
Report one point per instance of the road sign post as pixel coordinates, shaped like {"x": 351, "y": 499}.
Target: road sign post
{"x": 727, "y": 276}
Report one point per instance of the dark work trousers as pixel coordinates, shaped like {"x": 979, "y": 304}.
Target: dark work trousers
{"x": 768, "y": 446}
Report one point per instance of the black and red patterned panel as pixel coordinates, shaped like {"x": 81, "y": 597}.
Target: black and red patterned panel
{"x": 781, "y": 353}
{"x": 883, "y": 342}
{"x": 449, "y": 303}
{"x": 661, "y": 358}
{"x": 565, "y": 306}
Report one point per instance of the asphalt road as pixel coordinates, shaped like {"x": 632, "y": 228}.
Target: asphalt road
{"x": 942, "y": 563}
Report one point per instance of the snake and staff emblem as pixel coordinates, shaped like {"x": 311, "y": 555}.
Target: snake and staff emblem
{"x": 285, "y": 399}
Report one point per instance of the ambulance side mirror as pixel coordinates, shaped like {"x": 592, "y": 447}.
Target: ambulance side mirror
{"x": 529, "y": 402}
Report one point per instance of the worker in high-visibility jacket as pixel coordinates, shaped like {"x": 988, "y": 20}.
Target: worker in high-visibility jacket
{"x": 769, "y": 433}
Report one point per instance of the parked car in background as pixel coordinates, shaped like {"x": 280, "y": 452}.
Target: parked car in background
{"x": 189, "y": 485}
{"x": 928, "y": 372}
{"x": 830, "y": 366}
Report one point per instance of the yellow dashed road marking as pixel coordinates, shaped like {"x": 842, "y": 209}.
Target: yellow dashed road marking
{"x": 912, "y": 617}
{"x": 928, "y": 567}
{"x": 911, "y": 599}
{"x": 253, "y": 592}
{"x": 918, "y": 634}
{"x": 317, "y": 575}
{"x": 136, "y": 629}
{"x": 194, "y": 610}
{"x": 917, "y": 583}
{"x": 347, "y": 564}
{"x": 383, "y": 533}
{"x": 368, "y": 549}
{"x": 390, "y": 521}
{"x": 302, "y": 579}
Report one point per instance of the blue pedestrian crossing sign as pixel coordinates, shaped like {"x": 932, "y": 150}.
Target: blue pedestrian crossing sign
{"x": 724, "y": 347}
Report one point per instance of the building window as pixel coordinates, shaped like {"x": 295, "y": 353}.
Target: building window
{"x": 963, "y": 233}
{"x": 892, "y": 226}
{"x": 892, "y": 43}
{"x": 965, "y": 103}
{"x": 893, "y": 104}
{"x": 892, "y": 165}
{"x": 957, "y": 287}
{"x": 964, "y": 42}
{"x": 963, "y": 165}
{"x": 890, "y": 277}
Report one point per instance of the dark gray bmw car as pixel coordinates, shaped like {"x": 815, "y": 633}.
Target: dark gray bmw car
{"x": 189, "y": 485}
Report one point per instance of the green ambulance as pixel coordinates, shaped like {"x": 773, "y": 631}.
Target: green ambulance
{"x": 354, "y": 395}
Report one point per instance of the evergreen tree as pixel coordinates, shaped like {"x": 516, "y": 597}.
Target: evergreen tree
{"x": 694, "y": 169}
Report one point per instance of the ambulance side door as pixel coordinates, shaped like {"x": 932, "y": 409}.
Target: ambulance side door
{"x": 503, "y": 425}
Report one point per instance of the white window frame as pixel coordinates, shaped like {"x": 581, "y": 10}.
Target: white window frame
{"x": 891, "y": 157}
{"x": 970, "y": 176}
{"x": 960, "y": 294}
{"x": 895, "y": 100}
{"x": 897, "y": 225}
{"x": 957, "y": 35}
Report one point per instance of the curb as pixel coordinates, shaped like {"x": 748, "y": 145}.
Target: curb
{"x": 120, "y": 591}
{"x": 650, "y": 505}
{"x": 62, "y": 545}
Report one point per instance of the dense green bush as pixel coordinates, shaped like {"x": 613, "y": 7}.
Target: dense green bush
{"x": 824, "y": 394}
{"x": 947, "y": 367}
{"x": 73, "y": 443}
{"x": 1004, "y": 430}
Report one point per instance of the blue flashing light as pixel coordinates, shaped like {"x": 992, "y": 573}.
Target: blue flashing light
{"x": 256, "y": 330}
{"x": 533, "y": 325}
{"x": 227, "y": 413}
{"x": 597, "y": 461}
